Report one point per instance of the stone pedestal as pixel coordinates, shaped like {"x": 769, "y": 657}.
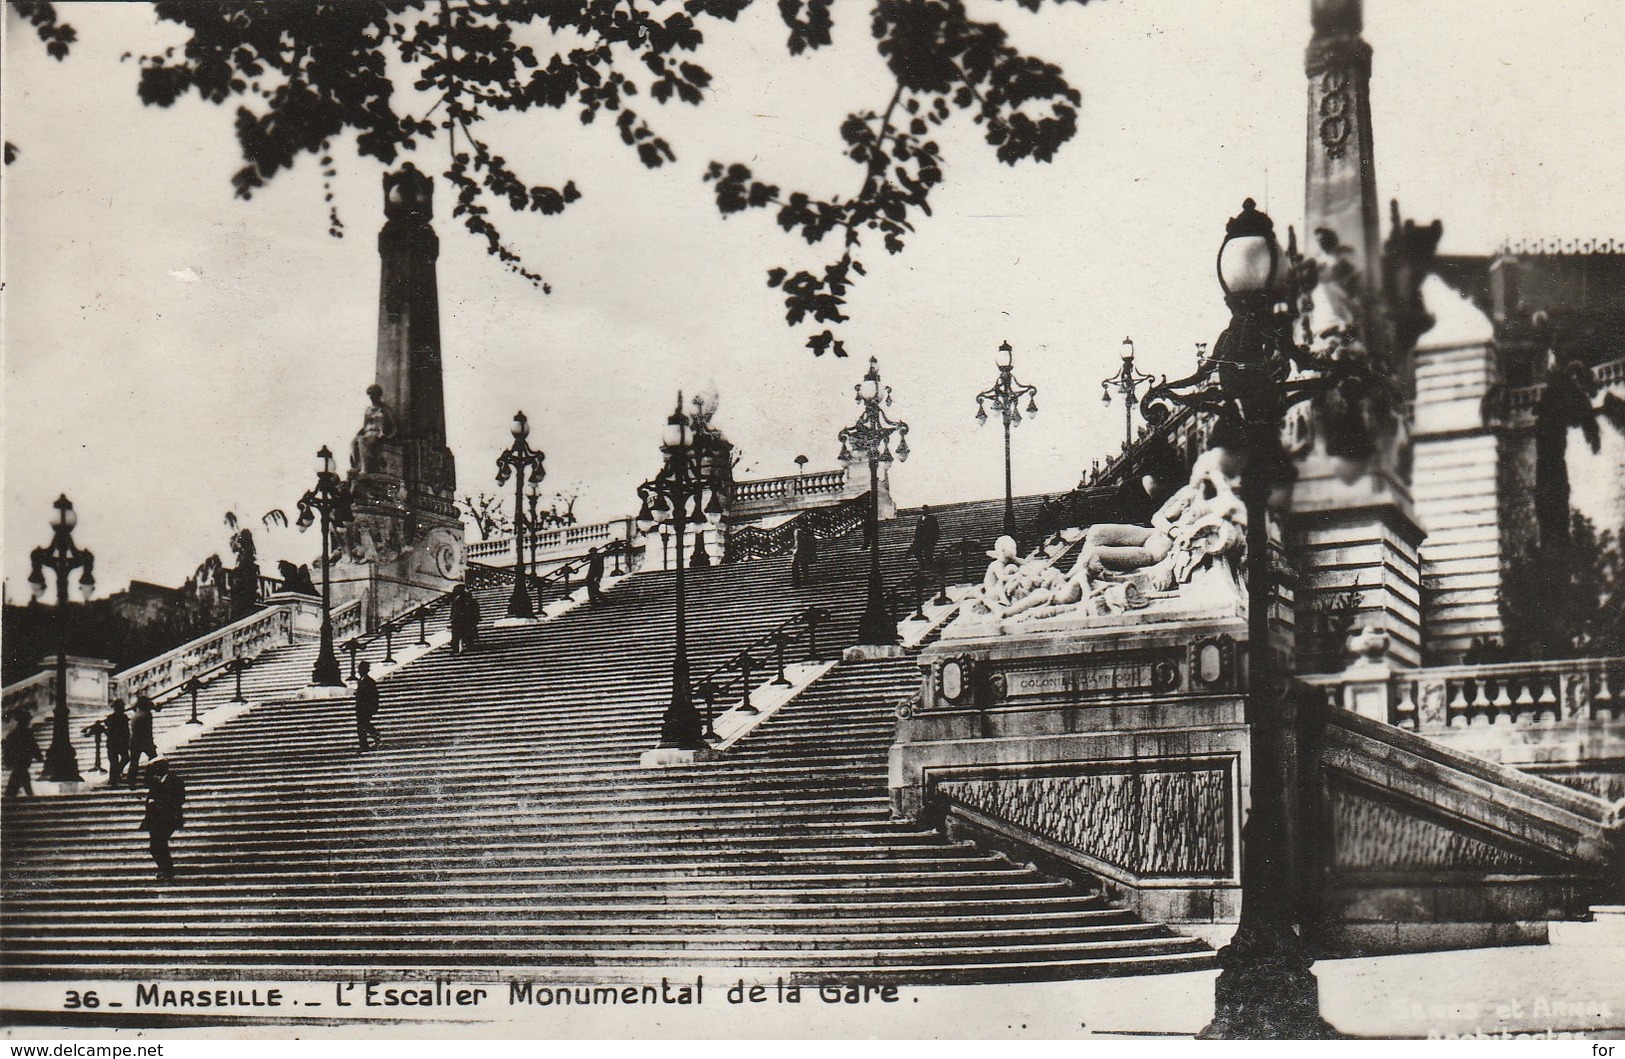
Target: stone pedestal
{"x": 1104, "y": 747}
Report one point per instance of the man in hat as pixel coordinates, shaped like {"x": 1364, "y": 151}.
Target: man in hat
{"x": 116, "y": 730}
{"x": 166, "y": 797}
{"x": 20, "y": 751}
{"x": 464, "y": 620}
{"x": 595, "y": 575}
{"x": 141, "y": 741}
{"x": 366, "y": 708}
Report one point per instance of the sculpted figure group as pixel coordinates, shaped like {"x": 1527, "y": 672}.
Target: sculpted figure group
{"x": 1119, "y": 565}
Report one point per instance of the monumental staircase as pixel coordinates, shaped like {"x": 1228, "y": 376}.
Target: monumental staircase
{"x": 506, "y": 822}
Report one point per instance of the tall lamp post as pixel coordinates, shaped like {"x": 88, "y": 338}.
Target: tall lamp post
{"x": 533, "y": 498}
{"x": 685, "y": 493}
{"x": 869, "y": 438}
{"x": 516, "y": 460}
{"x": 62, "y": 557}
{"x": 329, "y": 498}
{"x": 1126, "y": 382}
{"x": 1256, "y": 374}
{"x": 1004, "y": 397}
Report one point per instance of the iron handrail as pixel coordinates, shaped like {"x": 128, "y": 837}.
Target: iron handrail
{"x": 741, "y": 665}
{"x": 387, "y": 630}
{"x": 826, "y": 523}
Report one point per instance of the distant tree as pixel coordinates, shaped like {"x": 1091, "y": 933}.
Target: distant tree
{"x": 1565, "y": 598}
{"x": 488, "y": 513}
{"x": 303, "y": 73}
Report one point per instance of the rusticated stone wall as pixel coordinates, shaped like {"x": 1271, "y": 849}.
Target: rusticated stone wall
{"x": 1371, "y": 836}
{"x": 1169, "y": 823}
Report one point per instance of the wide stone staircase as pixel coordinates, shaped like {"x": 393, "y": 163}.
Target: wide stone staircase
{"x": 506, "y": 824}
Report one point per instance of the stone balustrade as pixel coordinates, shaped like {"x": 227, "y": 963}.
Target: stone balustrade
{"x": 247, "y": 638}
{"x": 35, "y": 694}
{"x": 1453, "y": 697}
{"x": 563, "y": 540}
{"x": 1520, "y": 401}
{"x": 831, "y": 483}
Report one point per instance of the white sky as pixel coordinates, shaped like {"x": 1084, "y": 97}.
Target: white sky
{"x": 172, "y": 353}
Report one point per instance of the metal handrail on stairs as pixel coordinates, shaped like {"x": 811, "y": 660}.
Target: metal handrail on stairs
{"x": 500, "y": 575}
{"x": 826, "y": 523}
{"x": 387, "y": 630}
{"x": 712, "y": 687}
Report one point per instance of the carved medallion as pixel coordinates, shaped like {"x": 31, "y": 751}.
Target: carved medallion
{"x": 1336, "y": 117}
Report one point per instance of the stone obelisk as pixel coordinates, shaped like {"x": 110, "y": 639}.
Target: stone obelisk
{"x": 406, "y": 543}
{"x": 1355, "y": 534}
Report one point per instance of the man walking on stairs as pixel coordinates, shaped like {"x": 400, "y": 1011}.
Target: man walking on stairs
{"x": 141, "y": 741}
{"x": 116, "y": 726}
{"x": 166, "y": 795}
{"x": 465, "y": 619}
{"x": 806, "y": 551}
{"x": 366, "y": 707}
{"x": 595, "y": 575}
{"x": 21, "y": 750}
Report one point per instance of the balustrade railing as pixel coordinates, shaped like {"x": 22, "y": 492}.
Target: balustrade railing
{"x": 1516, "y": 693}
{"x": 736, "y": 677}
{"x": 1518, "y": 401}
{"x": 34, "y": 694}
{"x": 248, "y": 638}
{"x": 826, "y": 523}
{"x": 560, "y": 539}
{"x": 817, "y": 483}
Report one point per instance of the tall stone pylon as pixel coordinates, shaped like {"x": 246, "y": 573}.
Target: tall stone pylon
{"x": 1355, "y": 538}
{"x": 406, "y": 542}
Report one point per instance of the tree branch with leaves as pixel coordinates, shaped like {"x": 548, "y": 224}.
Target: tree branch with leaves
{"x": 301, "y": 74}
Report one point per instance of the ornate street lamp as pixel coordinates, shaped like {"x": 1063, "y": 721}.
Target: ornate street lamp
{"x": 1257, "y": 372}
{"x": 331, "y": 500}
{"x": 515, "y": 460}
{"x": 1004, "y": 397}
{"x": 1127, "y": 382}
{"x": 533, "y": 497}
{"x": 869, "y": 438}
{"x": 688, "y": 491}
{"x": 62, "y": 557}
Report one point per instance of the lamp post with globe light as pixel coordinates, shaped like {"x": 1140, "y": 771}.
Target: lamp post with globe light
{"x": 61, "y": 557}
{"x": 1256, "y": 374}
{"x": 330, "y": 499}
{"x": 1004, "y": 397}
{"x": 869, "y": 438}
{"x": 516, "y": 460}
{"x": 1126, "y": 382}
{"x": 687, "y": 492}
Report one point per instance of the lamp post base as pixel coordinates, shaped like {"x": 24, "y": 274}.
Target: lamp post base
{"x": 876, "y": 629}
{"x": 1266, "y": 991}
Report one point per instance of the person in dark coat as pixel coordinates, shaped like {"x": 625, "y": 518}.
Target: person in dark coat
{"x": 20, "y": 750}
{"x": 166, "y": 797}
{"x": 465, "y": 620}
{"x": 116, "y": 730}
{"x": 366, "y": 708}
{"x": 141, "y": 741}
{"x": 926, "y": 535}
{"x": 595, "y": 575}
{"x": 806, "y": 552}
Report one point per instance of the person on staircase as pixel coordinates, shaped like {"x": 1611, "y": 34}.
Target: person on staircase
{"x": 141, "y": 741}
{"x": 595, "y": 575}
{"x": 20, "y": 751}
{"x": 116, "y": 730}
{"x": 465, "y": 620}
{"x": 166, "y": 797}
{"x": 806, "y": 552}
{"x": 926, "y": 535}
{"x": 366, "y": 708}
